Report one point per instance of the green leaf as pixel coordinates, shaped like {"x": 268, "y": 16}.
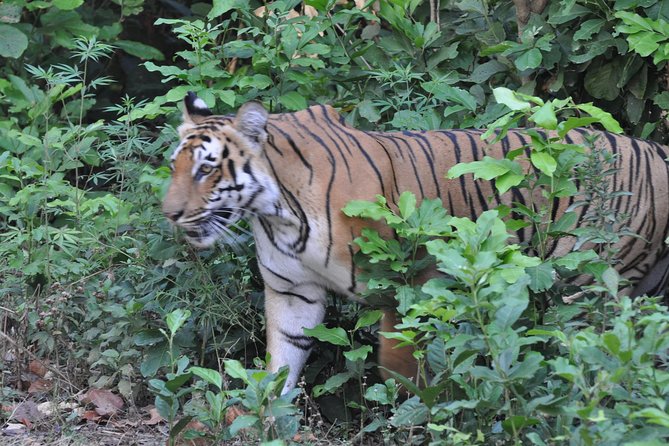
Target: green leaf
{"x": 602, "y": 82}
{"x": 516, "y": 423}
{"x": 359, "y": 353}
{"x": 12, "y": 41}
{"x": 174, "y": 384}
{"x": 653, "y": 415}
{"x": 243, "y": 422}
{"x": 487, "y": 70}
{"x": 529, "y": 60}
{"x": 220, "y": 7}
{"x": 541, "y": 277}
{"x": 148, "y": 337}
{"x": 176, "y": 319}
{"x": 545, "y": 117}
{"x": 572, "y": 260}
{"x": 67, "y": 5}
{"x": 507, "y": 181}
{"x": 645, "y": 43}
{"x": 332, "y": 383}
{"x": 588, "y": 28}
{"x": 544, "y": 162}
{"x": 488, "y": 168}
{"x": 445, "y": 92}
{"x": 293, "y": 101}
{"x": 140, "y": 50}
{"x": 380, "y": 393}
{"x": 605, "y": 118}
{"x": 211, "y": 376}
{"x": 368, "y": 318}
{"x": 368, "y": 110}
{"x": 407, "y": 204}
{"x": 235, "y": 369}
{"x": 336, "y": 336}
{"x": 509, "y": 98}
{"x": 412, "y": 412}
{"x": 611, "y": 280}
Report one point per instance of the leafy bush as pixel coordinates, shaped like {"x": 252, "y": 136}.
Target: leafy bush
{"x": 91, "y": 272}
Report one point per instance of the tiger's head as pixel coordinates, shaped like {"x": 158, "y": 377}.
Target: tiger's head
{"x": 218, "y": 174}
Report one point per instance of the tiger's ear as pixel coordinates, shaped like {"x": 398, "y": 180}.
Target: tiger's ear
{"x": 195, "y": 109}
{"x": 251, "y": 120}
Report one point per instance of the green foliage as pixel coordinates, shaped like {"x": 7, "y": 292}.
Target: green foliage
{"x": 494, "y": 368}
{"x": 92, "y": 273}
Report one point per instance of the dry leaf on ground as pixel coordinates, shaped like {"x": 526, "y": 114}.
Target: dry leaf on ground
{"x": 40, "y": 386}
{"x": 155, "y": 416}
{"x": 106, "y": 403}
{"x": 26, "y": 413}
{"x": 38, "y": 368}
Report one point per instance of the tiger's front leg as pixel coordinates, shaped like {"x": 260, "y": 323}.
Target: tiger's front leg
{"x": 287, "y": 312}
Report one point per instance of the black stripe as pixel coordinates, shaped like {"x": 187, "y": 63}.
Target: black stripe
{"x": 426, "y": 148}
{"x": 301, "y": 297}
{"x": 275, "y": 274}
{"x": 300, "y": 341}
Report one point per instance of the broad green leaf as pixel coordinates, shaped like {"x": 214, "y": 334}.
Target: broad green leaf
{"x": 332, "y": 383}
{"x": 359, "y": 353}
{"x": 541, "y": 277}
{"x": 368, "y": 110}
{"x": 545, "y": 117}
{"x": 602, "y": 82}
{"x": 236, "y": 370}
{"x": 411, "y": 412}
{"x": 293, "y": 101}
{"x": 67, "y": 5}
{"x": 645, "y": 43}
{"x": 220, "y": 7}
{"x": 211, "y": 376}
{"x": 588, "y": 28}
{"x": 605, "y": 118}
{"x": 379, "y": 393}
{"x": 368, "y": 318}
{"x": 148, "y": 337}
{"x": 653, "y": 415}
{"x": 445, "y": 92}
{"x": 516, "y": 423}
{"x": 488, "y": 168}
{"x": 12, "y": 41}
{"x": 336, "y": 335}
{"x": 243, "y": 422}
{"x": 572, "y": 260}
{"x": 176, "y": 319}
{"x": 407, "y": 204}
{"x": 509, "y": 98}
{"x": 486, "y": 70}
{"x": 611, "y": 280}
{"x": 544, "y": 162}
{"x": 564, "y": 368}
{"x": 635, "y": 20}
{"x": 529, "y": 60}
{"x": 174, "y": 384}
{"x": 505, "y": 182}
{"x": 140, "y": 50}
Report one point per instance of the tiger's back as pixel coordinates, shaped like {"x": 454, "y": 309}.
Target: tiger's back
{"x": 354, "y": 165}
{"x": 291, "y": 174}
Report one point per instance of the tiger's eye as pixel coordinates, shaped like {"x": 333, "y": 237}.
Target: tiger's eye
{"x": 205, "y": 169}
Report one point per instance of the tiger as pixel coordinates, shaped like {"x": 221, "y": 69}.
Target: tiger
{"x": 289, "y": 175}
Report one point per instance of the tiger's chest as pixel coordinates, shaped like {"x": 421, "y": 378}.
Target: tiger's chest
{"x": 287, "y": 261}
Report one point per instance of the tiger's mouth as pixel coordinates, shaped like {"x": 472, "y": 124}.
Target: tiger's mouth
{"x": 213, "y": 226}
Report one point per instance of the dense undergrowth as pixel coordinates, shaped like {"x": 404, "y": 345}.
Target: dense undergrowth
{"x": 95, "y": 281}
